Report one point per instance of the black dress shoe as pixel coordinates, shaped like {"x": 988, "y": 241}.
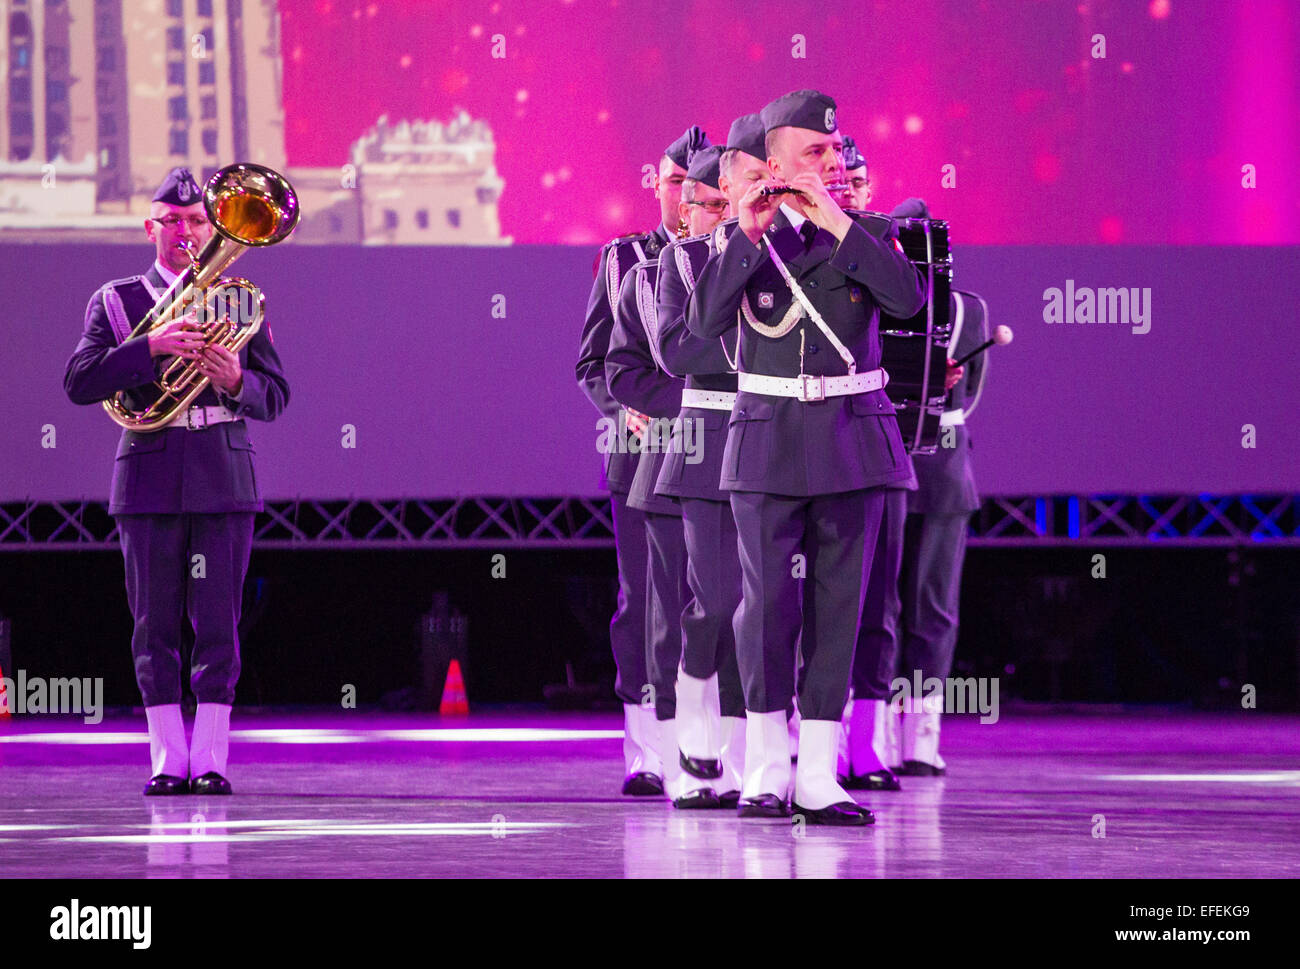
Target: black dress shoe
{"x": 705, "y": 770}
{"x": 211, "y": 783}
{"x": 919, "y": 768}
{"x": 877, "y": 780}
{"x": 166, "y": 785}
{"x": 702, "y": 800}
{"x": 763, "y": 806}
{"x": 729, "y": 799}
{"x": 643, "y": 784}
{"x": 843, "y": 814}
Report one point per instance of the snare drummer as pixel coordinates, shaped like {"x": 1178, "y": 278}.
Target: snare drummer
{"x": 871, "y": 729}
{"x": 864, "y": 759}
{"x": 934, "y": 547}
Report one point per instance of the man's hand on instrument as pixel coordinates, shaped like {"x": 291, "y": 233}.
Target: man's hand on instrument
{"x": 637, "y": 423}
{"x": 819, "y": 206}
{"x": 178, "y": 338}
{"x": 954, "y": 374}
{"x": 221, "y": 366}
{"x": 757, "y": 211}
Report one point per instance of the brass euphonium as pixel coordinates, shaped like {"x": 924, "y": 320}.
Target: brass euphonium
{"x": 248, "y": 206}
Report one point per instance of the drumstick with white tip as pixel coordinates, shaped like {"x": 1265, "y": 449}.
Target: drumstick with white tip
{"x": 1001, "y": 336}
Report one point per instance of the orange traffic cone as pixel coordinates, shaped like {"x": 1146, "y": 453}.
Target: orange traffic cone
{"x": 454, "y": 701}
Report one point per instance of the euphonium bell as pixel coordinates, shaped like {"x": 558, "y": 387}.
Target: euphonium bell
{"x": 248, "y": 206}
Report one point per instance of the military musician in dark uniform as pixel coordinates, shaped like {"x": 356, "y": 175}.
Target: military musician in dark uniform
{"x": 638, "y": 379}
{"x": 812, "y": 443}
{"x": 871, "y": 726}
{"x": 184, "y": 496}
{"x": 710, "y": 700}
{"x": 864, "y": 758}
{"x": 934, "y": 543}
{"x": 643, "y": 770}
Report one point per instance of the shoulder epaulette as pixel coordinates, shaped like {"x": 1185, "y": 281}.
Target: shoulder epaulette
{"x": 877, "y": 223}
{"x": 111, "y": 296}
{"x": 722, "y": 232}
{"x": 868, "y": 214}
{"x": 114, "y": 283}
{"x": 616, "y": 250}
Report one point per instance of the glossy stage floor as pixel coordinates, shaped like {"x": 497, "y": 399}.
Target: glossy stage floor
{"x": 508, "y": 794}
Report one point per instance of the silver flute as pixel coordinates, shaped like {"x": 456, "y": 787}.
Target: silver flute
{"x": 833, "y": 188}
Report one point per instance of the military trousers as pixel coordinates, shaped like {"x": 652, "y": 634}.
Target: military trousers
{"x": 714, "y": 579}
{"x": 876, "y": 657}
{"x": 934, "y": 548}
{"x": 804, "y": 563}
{"x": 179, "y": 564}
{"x": 627, "y": 627}
{"x": 666, "y": 596}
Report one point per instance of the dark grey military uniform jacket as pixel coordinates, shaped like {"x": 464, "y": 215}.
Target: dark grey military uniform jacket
{"x": 786, "y": 446}
{"x": 636, "y": 380}
{"x": 613, "y": 265}
{"x": 706, "y": 365}
{"x": 173, "y": 470}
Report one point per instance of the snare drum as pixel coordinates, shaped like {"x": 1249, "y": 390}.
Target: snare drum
{"x": 925, "y": 243}
{"x": 914, "y": 351}
{"x": 917, "y": 364}
{"x": 924, "y": 240}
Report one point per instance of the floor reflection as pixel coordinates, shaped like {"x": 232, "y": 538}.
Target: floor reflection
{"x": 1192, "y": 796}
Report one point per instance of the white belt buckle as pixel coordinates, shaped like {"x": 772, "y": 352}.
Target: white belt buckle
{"x": 189, "y": 418}
{"x": 819, "y": 387}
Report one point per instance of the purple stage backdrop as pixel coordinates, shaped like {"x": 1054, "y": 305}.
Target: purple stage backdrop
{"x": 446, "y": 400}
{"x": 1074, "y": 145}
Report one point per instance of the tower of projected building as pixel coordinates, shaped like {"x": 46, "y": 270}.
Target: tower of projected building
{"x": 101, "y": 97}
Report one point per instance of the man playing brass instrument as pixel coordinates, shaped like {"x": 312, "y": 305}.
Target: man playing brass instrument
{"x": 184, "y": 496}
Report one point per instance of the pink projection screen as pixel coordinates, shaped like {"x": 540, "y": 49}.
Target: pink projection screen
{"x": 459, "y": 164}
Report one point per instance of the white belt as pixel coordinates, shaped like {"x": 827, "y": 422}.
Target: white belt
{"x": 708, "y": 399}
{"x": 197, "y": 418}
{"x": 808, "y": 387}
{"x": 950, "y": 418}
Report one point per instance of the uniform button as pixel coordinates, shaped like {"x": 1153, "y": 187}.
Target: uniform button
{"x": 853, "y": 266}
{"x": 812, "y": 284}
{"x": 813, "y": 348}
{"x": 744, "y": 262}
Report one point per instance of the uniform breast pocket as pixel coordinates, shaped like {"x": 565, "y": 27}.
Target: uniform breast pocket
{"x": 749, "y": 442}
{"x": 877, "y": 429}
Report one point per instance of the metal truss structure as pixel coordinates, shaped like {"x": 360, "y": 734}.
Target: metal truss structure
{"x": 587, "y": 522}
